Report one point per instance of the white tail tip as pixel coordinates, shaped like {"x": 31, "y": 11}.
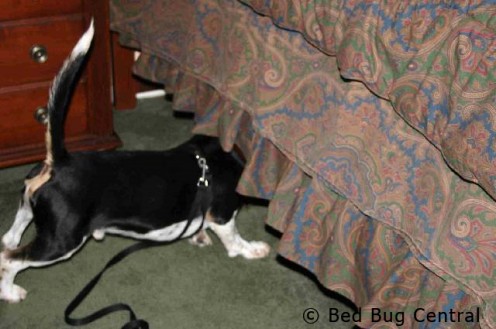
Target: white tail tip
{"x": 84, "y": 42}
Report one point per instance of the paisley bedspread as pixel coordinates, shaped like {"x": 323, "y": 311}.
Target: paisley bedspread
{"x": 369, "y": 125}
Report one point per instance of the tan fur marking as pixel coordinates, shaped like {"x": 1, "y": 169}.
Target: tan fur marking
{"x": 33, "y": 184}
{"x": 48, "y": 142}
{"x": 209, "y": 217}
{"x": 36, "y": 182}
{"x": 11, "y": 254}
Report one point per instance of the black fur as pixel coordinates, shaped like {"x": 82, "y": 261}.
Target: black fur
{"x": 133, "y": 191}
{"x": 71, "y": 197}
{"x": 136, "y": 191}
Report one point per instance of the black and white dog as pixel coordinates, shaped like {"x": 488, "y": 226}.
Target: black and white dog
{"x": 142, "y": 195}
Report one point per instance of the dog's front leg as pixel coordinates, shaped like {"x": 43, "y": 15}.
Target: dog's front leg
{"x": 234, "y": 243}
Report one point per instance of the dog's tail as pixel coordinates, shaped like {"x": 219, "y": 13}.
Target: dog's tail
{"x": 60, "y": 95}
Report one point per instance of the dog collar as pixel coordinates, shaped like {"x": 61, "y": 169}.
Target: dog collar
{"x": 202, "y": 163}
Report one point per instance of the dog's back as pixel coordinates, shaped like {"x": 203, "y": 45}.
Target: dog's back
{"x": 143, "y": 195}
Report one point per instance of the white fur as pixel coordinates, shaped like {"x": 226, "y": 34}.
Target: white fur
{"x": 81, "y": 48}
{"x": 23, "y": 217}
{"x": 164, "y": 234}
{"x": 227, "y": 233}
{"x": 9, "y": 268}
{"x": 235, "y": 244}
{"x": 84, "y": 42}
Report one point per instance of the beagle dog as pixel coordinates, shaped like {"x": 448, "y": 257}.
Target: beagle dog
{"x": 148, "y": 195}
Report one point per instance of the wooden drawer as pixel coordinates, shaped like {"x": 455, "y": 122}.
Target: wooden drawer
{"x": 23, "y": 9}
{"x": 58, "y": 36}
{"x": 19, "y": 126}
{"x": 24, "y": 82}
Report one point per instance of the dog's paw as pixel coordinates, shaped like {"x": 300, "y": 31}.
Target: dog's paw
{"x": 15, "y": 294}
{"x": 201, "y": 239}
{"x": 250, "y": 250}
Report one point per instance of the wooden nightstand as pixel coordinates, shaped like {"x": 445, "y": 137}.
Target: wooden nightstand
{"x": 35, "y": 38}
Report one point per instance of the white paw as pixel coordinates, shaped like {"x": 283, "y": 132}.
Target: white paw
{"x": 15, "y": 294}
{"x": 250, "y": 250}
{"x": 201, "y": 239}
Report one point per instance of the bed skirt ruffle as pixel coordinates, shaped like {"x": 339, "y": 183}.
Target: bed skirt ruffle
{"x": 362, "y": 200}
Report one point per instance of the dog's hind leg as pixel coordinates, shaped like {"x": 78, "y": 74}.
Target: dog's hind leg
{"x": 200, "y": 239}
{"x": 36, "y": 254}
{"x": 23, "y": 217}
{"x": 233, "y": 242}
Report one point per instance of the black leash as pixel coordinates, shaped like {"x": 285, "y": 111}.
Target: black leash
{"x": 201, "y": 199}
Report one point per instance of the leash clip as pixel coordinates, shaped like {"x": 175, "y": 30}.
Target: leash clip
{"x": 202, "y": 163}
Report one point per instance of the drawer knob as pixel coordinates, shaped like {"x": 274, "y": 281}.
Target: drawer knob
{"x": 39, "y": 54}
{"x": 41, "y": 115}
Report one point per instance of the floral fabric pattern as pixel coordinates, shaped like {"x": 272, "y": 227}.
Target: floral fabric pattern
{"x": 353, "y": 118}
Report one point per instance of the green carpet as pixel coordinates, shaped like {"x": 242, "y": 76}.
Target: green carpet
{"x": 178, "y": 286}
